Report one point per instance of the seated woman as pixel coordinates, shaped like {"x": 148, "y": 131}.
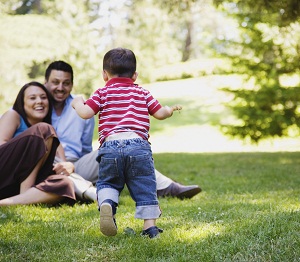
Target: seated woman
{"x": 28, "y": 145}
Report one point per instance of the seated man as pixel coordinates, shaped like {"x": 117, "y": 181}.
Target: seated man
{"x": 76, "y": 134}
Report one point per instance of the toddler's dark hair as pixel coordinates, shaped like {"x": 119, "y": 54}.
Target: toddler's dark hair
{"x": 120, "y": 62}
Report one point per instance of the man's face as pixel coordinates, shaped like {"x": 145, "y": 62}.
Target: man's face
{"x": 59, "y": 85}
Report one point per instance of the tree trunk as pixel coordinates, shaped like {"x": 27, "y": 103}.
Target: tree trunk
{"x": 187, "y": 48}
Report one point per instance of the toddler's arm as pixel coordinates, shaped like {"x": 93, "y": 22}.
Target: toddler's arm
{"x": 83, "y": 110}
{"x": 166, "y": 112}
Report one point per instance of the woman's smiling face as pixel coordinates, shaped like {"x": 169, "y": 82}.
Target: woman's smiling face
{"x": 36, "y": 104}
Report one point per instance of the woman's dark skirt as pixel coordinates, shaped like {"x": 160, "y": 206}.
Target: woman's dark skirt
{"x": 20, "y": 155}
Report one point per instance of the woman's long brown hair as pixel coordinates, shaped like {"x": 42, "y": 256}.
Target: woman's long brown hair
{"x": 18, "y": 105}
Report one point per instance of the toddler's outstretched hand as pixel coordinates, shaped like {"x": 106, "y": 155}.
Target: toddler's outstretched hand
{"x": 176, "y": 107}
{"x": 77, "y": 100}
{"x": 166, "y": 111}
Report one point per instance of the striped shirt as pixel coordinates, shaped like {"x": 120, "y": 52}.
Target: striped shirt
{"x": 123, "y": 107}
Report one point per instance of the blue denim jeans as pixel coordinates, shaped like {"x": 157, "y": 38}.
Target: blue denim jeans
{"x": 128, "y": 162}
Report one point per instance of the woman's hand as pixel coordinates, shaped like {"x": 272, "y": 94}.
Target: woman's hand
{"x": 64, "y": 168}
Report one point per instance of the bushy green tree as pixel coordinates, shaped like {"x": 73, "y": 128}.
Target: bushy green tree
{"x": 267, "y": 53}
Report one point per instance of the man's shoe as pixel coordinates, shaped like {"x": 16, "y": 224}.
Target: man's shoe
{"x": 108, "y": 224}
{"x": 152, "y": 232}
{"x": 179, "y": 191}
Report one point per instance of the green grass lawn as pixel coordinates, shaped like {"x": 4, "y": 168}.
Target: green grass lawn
{"x": 249, "y": 210}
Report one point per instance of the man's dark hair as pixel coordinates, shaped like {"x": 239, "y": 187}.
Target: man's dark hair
{"x": 18, "y": 105}
{"x": 60, "y": 66}
{"x": 120, "y": 62}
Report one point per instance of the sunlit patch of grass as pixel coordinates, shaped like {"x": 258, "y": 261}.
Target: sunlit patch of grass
{"x": 189, "y": 234}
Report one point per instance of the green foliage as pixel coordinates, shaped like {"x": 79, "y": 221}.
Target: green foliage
{"x": 162, "y": 33}
{"x": 149, "y": 34}
{"x": 269, "y": 112}
{"x": 30, "y": 42}
{"x": 80, "y": 32}
{"x": 248, "y": 211}
{"x": 266, "y": 52}
{"x": 277, "y": 12}
{"x": 25, "y": 41}
{"x": 177, "y": 7}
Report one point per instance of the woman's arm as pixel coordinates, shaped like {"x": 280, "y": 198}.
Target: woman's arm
{"x": 9, "y": 123}
{"x": 60, "y": 153}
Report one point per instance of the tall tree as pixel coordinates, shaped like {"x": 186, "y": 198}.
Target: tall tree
{"x": 267, "y": 53}
{"x": 140, "y": 26}
{"x": 183, "y": 11}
